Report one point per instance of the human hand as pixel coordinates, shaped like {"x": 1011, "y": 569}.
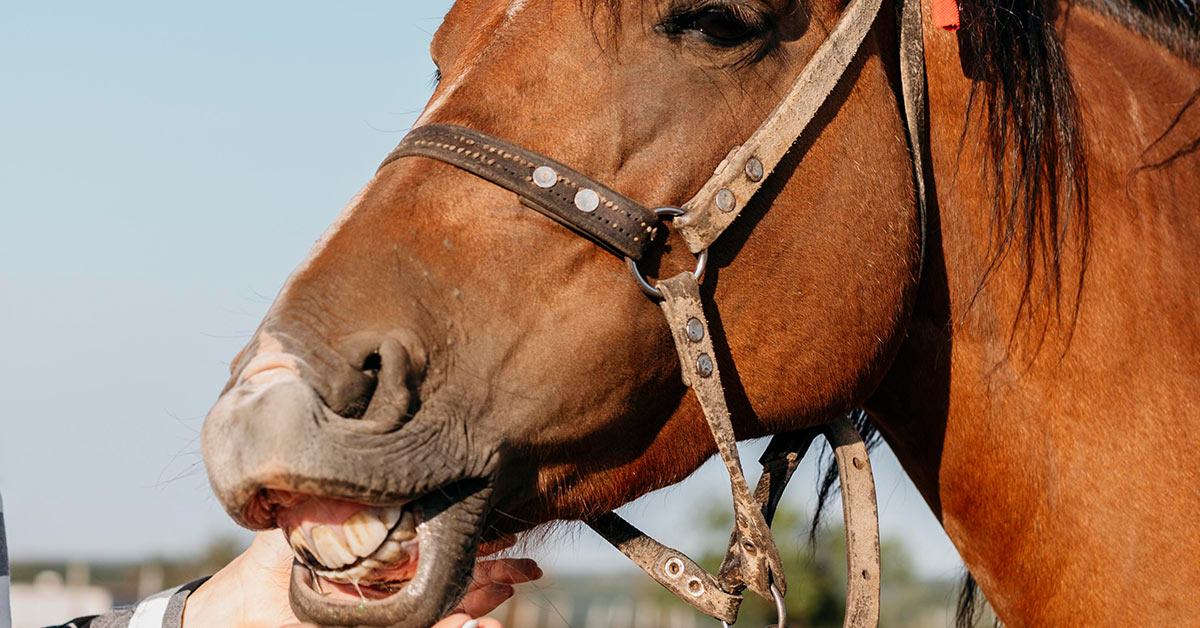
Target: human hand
{"x": 252, "y": 590}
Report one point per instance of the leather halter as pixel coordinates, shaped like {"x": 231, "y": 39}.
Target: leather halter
{"x": 626, "y": 227}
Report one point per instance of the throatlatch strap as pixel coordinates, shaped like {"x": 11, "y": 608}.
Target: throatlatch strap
{"x": 572, "y": 198}
{"x": 743, "y": 172}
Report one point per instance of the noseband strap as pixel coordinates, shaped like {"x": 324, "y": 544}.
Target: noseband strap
{"x": 572, "y": 198}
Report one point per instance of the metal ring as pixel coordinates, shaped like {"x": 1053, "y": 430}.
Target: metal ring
{"x": 780, "y": 607}
{"x": 651, "y": 291}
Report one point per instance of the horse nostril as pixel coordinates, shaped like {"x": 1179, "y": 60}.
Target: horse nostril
{"x": 389, "y": 397}
{"x": 372, "y": 363}
{"x": 414, "y": 406}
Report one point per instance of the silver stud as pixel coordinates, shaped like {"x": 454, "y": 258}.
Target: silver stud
{"x": 704, "y": 365}
{"x": 695, "y": 330}
{"x": 754, "y": 169}
{"x": 587, "y": 200}
{"x": 545, "y": 177}
{"x": 725, "y": 200}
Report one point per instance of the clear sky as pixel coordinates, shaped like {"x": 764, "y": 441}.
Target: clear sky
{"x": 162, "y": 168}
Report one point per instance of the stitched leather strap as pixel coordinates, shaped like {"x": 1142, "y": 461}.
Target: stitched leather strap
{"x": 566, "y": 195}
{"x": 744, "y": 171}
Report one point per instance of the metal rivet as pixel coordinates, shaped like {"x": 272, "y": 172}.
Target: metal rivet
{"x": 674, "y": 567}
{"x": 725, "y": 200}
{"x": 545, "y": 177}
{"x": 754, "y": 169}
{"x": 587, "y": 200}
{"x": 704, "y": 365}
{"x": 695, "y": 330}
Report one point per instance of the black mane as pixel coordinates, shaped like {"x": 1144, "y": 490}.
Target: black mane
{"x": 1036, "y": 141}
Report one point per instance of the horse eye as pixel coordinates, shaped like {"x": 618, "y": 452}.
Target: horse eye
{"x": 720, "y": 26}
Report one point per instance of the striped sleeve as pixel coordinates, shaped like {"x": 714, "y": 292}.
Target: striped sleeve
{"x": 161, "y": 610}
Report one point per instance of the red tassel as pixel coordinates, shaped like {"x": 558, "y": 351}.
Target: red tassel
{"x": 945, "y": 14}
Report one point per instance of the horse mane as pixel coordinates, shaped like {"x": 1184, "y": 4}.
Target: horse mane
{"x": 1036, "y": 141}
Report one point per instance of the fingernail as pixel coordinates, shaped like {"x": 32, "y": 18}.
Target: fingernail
{"x": 474, "y": 623}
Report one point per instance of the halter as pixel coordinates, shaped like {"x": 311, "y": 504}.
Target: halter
{"x": 627, "y": 228}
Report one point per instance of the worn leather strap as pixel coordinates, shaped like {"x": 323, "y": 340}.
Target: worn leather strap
{"x": 861, "y": 515}
{"x": 779, "y": 462}
{"x": 744, "y": 171}
{"x": 670, "y": 568}
{"x": 755, "y": 562}
{"x": 562, "y": 193}
{"x": 912, "y": 92}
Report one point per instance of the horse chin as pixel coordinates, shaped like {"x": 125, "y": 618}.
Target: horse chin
{"x": 426, "y": 577}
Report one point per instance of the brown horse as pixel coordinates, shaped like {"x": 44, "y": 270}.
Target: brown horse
{"x": 449, "y": 367}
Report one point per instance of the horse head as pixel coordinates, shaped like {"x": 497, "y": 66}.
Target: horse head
{"x": 448, "y": 368}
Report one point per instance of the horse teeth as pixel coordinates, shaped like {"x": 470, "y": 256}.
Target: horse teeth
{"x": 407, "y": 529}
{"x": 364, "y": 533}
{"x": 391, "y": 516}
{"x": 391, "y": 552}
{"x": 299, "y": 543}
{"x": 329, "y": 547}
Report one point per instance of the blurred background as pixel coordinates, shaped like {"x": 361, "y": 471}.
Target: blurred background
{"x": 162, "y": 168}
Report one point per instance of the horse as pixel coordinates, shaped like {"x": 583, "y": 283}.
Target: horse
{"x": 448, "y": 370}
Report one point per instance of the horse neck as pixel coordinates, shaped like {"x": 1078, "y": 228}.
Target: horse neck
{"x": 1035, "y": 444}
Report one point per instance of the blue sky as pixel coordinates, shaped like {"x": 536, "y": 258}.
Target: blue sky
{"x": 162, "y": 168}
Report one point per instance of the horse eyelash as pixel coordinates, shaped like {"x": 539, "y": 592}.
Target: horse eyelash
{"x": 677, "y": 16}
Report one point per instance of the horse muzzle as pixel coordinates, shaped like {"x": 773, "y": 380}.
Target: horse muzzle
{"x": 385, "y": 524}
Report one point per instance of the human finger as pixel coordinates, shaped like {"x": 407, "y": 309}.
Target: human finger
{"x": 505, "y": 571}
{"x": 462, "y": 620}
{"x": 485, "y": 599}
